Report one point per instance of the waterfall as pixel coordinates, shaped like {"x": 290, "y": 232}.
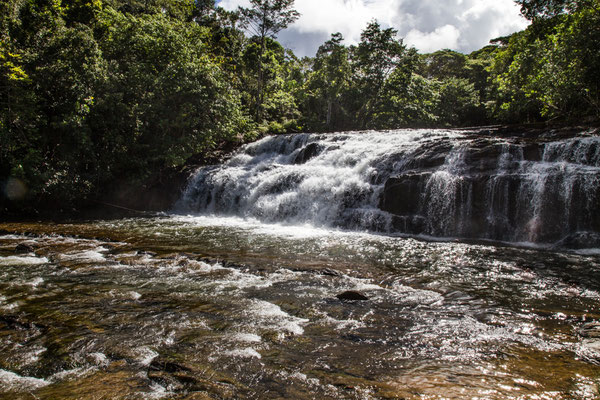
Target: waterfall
{"x": 445, "y": 183}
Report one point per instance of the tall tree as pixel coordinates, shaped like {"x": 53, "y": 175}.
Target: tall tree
{"x": 443, "y": 64}
{"x": 377, "y": 56}
{"x": 265, "y": 19}
{"x": 550, "y": 70}
{"x": 330, "y": 77}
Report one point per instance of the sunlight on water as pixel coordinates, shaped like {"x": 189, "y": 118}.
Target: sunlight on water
{"x": 324, "y": 267}
{"x": 237, "y": 308}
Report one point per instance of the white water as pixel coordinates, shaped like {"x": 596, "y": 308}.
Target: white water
{"x": 334, "y": 188}
{"x": 151, "y": 317}
{"x": 339, "y": 181}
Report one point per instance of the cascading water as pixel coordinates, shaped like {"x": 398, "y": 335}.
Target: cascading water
{"x": 181, "y": 306}
{"x": 432, "y": 182}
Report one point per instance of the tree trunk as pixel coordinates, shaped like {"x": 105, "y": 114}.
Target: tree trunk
{"x": 259, "y": 86}
{"x": 329, "y": 104}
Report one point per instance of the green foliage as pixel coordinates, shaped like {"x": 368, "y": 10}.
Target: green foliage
{"x": 173, "y": 99}
{"x": 378, "y": 57}
{"x": 443, "y": 64}
{"x": 550, "y": 71}
{"x": 91, "y": 95}
{"x": 265, "y": 19}
{"x": 327, "y": 83}
{"x": 268, "y": 79}
{"x": 536, "y": 9}
{"x": 459, "y": 102}
{"x": 94, "y": 92}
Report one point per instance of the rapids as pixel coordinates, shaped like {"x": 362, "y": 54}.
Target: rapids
{"x": 467, "y": 184}
{"x": 188, "y": 307}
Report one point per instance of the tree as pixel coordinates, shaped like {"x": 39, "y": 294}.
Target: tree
{"x": 458, "y": 103}
{"x": 164, "y": 98}
{"x": 265, "y": 19}
{"x": 536, "y": 9}
{"x": 182, "y": 10}
{"x": 377, "y": 56}
{"x": 91, "y": 95}
{"x": 329, "y": 80}
{"x": 550, "y": 70}
{"x": 443, "y": 64}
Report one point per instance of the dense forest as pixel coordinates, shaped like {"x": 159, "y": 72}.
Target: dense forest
{"x": 94, "y": 92}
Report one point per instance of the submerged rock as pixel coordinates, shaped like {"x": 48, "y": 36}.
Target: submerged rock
{"x": 24, "y": 248}
{"x": 352, "y": 295}
{"x": 590, "y": 330}
{"x": 160, "y": 364}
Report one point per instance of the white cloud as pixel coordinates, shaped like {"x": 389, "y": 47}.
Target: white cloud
{"x": 444, "y": 37}
{"x": 429, "y": 25}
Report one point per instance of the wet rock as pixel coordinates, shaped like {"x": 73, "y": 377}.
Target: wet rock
{"x": 175, "y": 376}
{"x": 532, "y": 151}
{"x": 319, "y": 271}
{"x": 16, "y": 323}
{"x": 579, "y": 240}
{"x": 24, "y": 248}
{"x": 590, "y": 341}
{"x": 146, "y": 253}
{"x": 166, "y": 380}
{"x": 330, "y": 272}
{"x": 308, "y": 152}
{"x": 159, "y": 364}
{"x": 352, "y": 296}
{"x": 482, "y": 156}
{"x": 402, "y": 194}
{"x": 590, "y": 330}
{"x": 353, "y": 338}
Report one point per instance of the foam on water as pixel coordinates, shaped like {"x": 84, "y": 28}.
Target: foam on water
{"x": 134, "y": 295}
{"x": 275, "y": 324}
{"x": 157, "y": 391}
{"x": 71, "y": 374}
{"x": 246, "y": 337}
{"x": 88, "y": 256}
{"x": 22, "y": 260}
{"x": 271, "y": 316}
{"x": 35, "y": 282}
{"x": 9, "y": 381}
{"x": 99, "y": 359}
{"x": 266, "y": 183}
{"x": 145, "y": 355}
{"x": 247, "y": 352}
{"x": 313, "y": 181}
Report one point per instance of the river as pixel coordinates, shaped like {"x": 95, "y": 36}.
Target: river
{"x": 212, "y": 303}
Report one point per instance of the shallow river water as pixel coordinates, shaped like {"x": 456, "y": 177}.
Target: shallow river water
{"x": 184, "y": 307}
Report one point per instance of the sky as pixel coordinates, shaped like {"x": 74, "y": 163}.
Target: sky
{"x": 428, "y": 25}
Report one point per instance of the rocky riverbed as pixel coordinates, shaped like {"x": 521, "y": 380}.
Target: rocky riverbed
{"x": 197, "y": 307}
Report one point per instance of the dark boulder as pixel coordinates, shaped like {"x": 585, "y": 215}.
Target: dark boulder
{"x": 160, "y": 364}
{"x": 307, "y": 152}
{"x": 532, "y": 151}
{"x": 402, "y": 194}
{"x": 352, "y": 295}
{"x": 24, "y": 248}
{"x": 579, "y": 240}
